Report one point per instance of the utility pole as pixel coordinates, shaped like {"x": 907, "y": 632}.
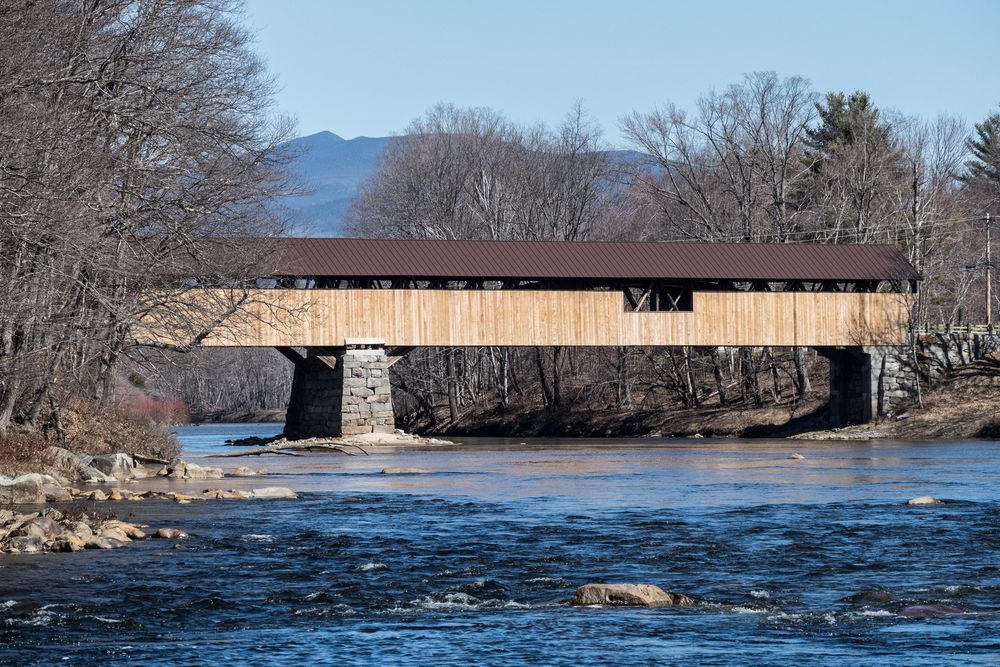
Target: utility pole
{"x": 989, "y": 276}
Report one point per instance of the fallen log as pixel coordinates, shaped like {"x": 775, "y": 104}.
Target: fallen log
{"x": 254, "y": 452}
{"x": 280, "y": 442}
{"x": 150, "y": 459}
{"x": 291, "y": 449}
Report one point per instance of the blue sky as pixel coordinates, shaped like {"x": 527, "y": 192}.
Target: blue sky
{"x": 368, "y": 67}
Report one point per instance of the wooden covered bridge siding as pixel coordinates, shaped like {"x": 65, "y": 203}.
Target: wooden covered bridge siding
{"x": 325, "y": 294}
{"x": 469, "y": 318}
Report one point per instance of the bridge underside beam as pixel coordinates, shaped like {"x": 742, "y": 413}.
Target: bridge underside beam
{"x": 338, "y": 392}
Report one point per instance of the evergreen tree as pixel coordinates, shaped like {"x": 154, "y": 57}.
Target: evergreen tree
{"x": 853, "y": 160}
{"x": 845, "y": 119}
{"x": 984, "y": 168}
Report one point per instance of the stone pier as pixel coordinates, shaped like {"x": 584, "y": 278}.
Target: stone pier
{"x": 339, "y": 391}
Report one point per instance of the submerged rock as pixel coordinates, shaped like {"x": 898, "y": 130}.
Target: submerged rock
{"x": 169, "y": 533}
{"x": 924, "y": 500}
{"x": 273, "y": 492}
{"x": 244, "y": 471}
{"x": 796, "y": 457}
{"x": 931, "y": 611}
{"x": 879, "y": 595}
{"x": 628, "y": 595}
{"x": 405, "y": 471}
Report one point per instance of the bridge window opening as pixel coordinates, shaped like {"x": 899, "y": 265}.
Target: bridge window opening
{"x": 656, "y": 298}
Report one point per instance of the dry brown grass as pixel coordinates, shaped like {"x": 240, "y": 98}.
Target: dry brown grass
{"x": 88, "y": 429}
{"x": 20, "y": 453}
{"x": 111, "y": 432}
{"x": 963, "y": 405}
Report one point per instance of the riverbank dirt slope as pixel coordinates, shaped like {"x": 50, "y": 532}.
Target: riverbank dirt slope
{"x": 962, "y": 404}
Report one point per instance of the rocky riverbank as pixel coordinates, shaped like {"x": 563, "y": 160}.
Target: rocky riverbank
{"x": 52, "y": 510}
{"x": 52, "y": 529}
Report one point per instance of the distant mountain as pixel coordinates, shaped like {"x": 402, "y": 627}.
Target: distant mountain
{"x": 333, "y": 169}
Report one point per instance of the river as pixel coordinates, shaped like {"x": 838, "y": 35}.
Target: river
{"x": 474, "y": 562}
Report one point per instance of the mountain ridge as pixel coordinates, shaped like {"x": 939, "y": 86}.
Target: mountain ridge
{"x": 332, "y": 170}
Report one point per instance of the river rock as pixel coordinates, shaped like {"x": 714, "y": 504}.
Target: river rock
{"x": 796, "y": 457}
{"x": 273, "y": 492}
{"x": 931, "y": 611}
{"x": 114, "y": 533}
{"x": 184, "y": 470}
{"x": 629, "y": 595}
{"x": 924, "y": 500}
{"x": 83, "y": 530}
{"x": 69, "y": 542}
{"x": 97, "y": 494}
{"x": 221, "y": 494}
{"x": 115, "y": 494}
{"x": 195, "y": 471}
{"x": 74, "y": 466}
{"x": 25, "y": 544}
{"x": 26, "y": 489}
{"x": 169, "y": 533}
{"x": 119, "y": 466}
{"x": 131, "y": 530}
{"x": 16, "y": 522}
{"x": 56, "y": 494}
{"x": 243, "y": 471}
{"x": 104, "y": 543}
{"x": 43, "y": 527}
{"x": 405, "y": 471}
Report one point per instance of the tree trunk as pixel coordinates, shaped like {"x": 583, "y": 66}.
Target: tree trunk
{"x": 720, "y": 384}
{"x": 801, "y": 374}
{"x": 543, "y": 377}
{"x": 452, "y": 386}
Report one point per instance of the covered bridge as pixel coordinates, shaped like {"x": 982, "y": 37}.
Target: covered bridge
{"x": 335, "y": 306}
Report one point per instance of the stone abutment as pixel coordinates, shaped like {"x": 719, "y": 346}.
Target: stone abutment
{"x": 870, "y": 383}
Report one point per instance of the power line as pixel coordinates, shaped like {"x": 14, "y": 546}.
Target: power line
{"x": 820, "y": 234}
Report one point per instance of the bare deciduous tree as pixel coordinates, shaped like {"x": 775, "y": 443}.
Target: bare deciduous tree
{"x": 138, "y": 144}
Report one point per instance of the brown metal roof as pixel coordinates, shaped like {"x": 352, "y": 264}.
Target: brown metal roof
{"x": 371, "y": 258}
